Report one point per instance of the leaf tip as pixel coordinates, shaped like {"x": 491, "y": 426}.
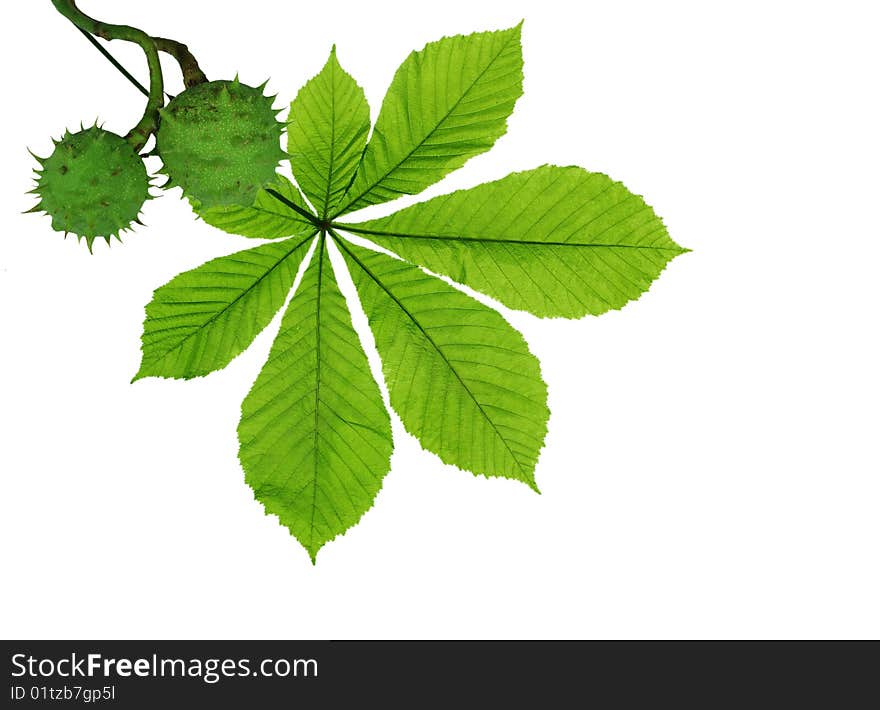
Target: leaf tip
{"x": 312, "y": 548}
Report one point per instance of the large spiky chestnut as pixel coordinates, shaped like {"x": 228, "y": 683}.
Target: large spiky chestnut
{"x": 220, "y": 142}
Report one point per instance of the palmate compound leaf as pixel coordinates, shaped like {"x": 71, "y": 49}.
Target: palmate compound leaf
{"x": 461, "y": 378}
{"x": 327, "y": 131}
{"x": 314, "y": 433}
{"x": 267, "y": 218}
{"x": 201, "y": 319}
{"x": 447, "y": 103}
{"x": 314, "y": 436}
{"x": 555, "y": 241}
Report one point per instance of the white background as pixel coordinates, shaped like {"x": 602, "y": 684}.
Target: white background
{"x": 711, "y": 468}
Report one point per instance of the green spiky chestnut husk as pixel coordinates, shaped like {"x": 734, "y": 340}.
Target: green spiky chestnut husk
{"x": 220, "y": 142}
{"x": 93, "y": 185}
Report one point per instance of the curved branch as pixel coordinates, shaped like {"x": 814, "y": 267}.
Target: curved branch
{"x": 140, "y": 134}
{"x": 192, "y": 72}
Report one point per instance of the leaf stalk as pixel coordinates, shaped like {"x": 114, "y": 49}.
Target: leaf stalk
{"x": 296, "y": 208}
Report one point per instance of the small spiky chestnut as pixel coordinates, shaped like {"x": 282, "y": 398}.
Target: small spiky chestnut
{"x": 220, "y": 142}
{"x": 93, "y": 185}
